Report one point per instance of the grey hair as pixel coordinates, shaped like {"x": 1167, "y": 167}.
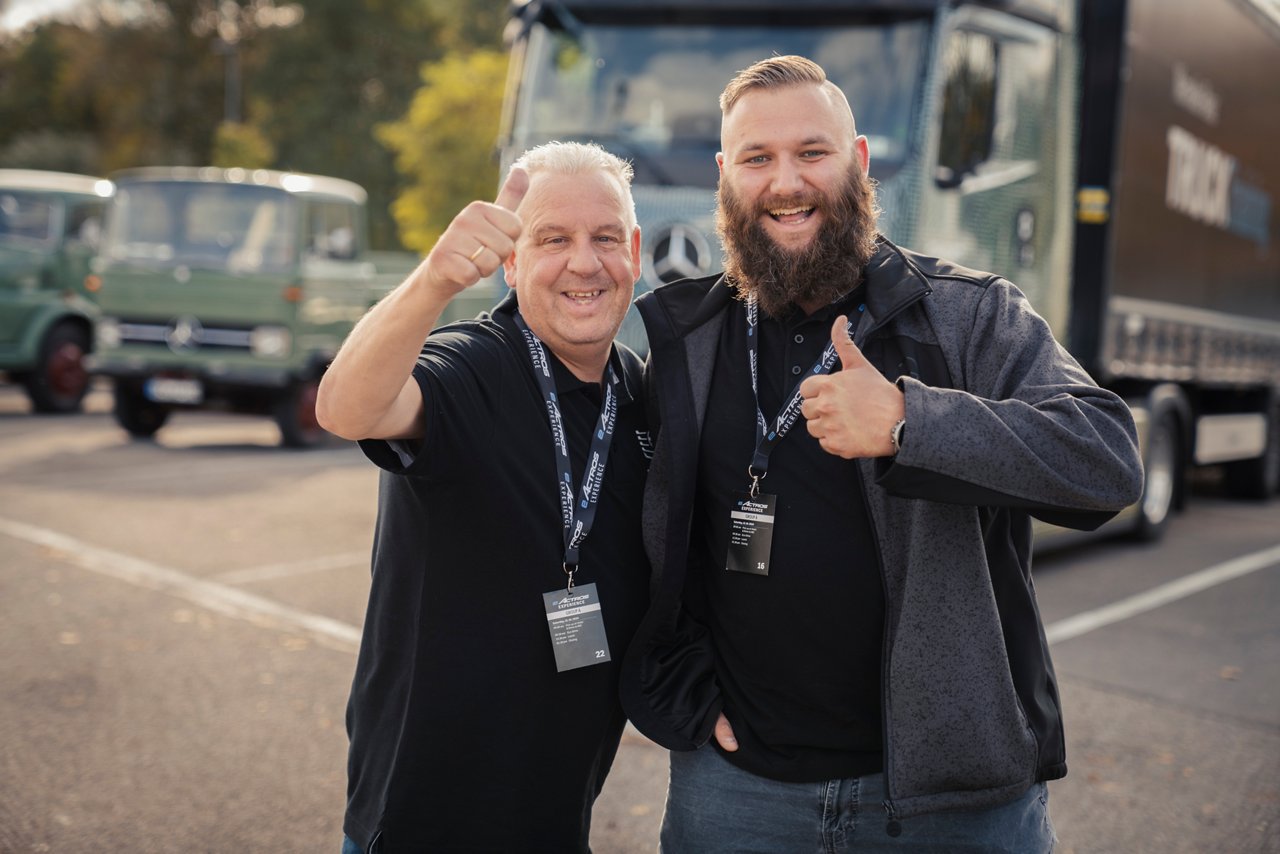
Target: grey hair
{"x": 580, "y": 158}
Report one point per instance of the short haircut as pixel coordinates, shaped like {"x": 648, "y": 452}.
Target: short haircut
{"x": 581, "y": 158}
{"x": 775, "y": 72}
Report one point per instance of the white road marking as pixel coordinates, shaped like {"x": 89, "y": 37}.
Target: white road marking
{"x": 208, "y": 594}
{"x": 1073, "y": 627}
{"x": 223, "y": 599}
{"x": 297, "y": 567}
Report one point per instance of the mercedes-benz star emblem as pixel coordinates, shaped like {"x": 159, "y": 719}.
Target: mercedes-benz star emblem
{"x": 679, "y": 252}
{"x": 183, "y": 334}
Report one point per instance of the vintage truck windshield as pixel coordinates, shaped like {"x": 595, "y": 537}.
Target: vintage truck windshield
{"x": 27, "y": 218}
{"x": 233, "y": 227}
{"x": 649, "y": 93}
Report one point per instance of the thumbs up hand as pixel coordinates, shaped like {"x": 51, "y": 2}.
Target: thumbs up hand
{"x": 479, "y": 239}
{"x": 852, "y": 411}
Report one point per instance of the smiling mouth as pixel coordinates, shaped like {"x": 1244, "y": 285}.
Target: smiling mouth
{"x": 582, "y": 296}
{"x": 791, "y": 215}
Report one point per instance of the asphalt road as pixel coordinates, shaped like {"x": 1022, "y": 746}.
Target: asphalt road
{"x": 178, "y": 623}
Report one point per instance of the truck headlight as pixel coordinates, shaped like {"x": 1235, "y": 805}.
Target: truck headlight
{"x": 107, "y": 332}
{"x": 270, "y": 341}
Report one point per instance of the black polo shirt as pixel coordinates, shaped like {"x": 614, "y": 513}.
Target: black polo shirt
{"x": 798, "y": 651}
{"x": 463, "y": 735}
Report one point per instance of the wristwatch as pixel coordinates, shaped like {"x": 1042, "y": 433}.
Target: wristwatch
{"x": 895, "y": 435}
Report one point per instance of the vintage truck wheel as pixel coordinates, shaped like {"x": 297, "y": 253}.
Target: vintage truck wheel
{"x": 59, "y": 382}
{"x": 295, "y": 415}
{"x": 140, "y": 418}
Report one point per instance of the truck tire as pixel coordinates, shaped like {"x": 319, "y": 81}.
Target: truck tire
{"x": 1163, "y": 471}
{"x": 140, "y": 418}
{"x": 1259, "y": 478}
{"x": 295, "y": 415}
{"x": 59, "y": 382}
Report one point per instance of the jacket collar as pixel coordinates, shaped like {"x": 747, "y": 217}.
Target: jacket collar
{"x": 893, "y": 281}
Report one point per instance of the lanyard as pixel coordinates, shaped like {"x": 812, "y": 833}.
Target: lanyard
{"x": 767, "y": 439}
{"x": 576, "y": 525}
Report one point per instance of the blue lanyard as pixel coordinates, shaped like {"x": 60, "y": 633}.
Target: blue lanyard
{"x": 767, "y": 439}
{"x": 576, "y": 524}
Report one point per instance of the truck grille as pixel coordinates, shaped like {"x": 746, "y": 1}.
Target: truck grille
{"x": 183, "y": 334}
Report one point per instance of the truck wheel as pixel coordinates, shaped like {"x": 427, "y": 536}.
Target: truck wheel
{"x": 140, "y": 418}
{"x": 60, "y": 381}
{"x": 1258, "y": 478}
{"x": 295, "y": 415}
{"x": 1163, "y": 469}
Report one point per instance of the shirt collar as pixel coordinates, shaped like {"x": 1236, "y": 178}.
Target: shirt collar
{"x": 566, "y": 380}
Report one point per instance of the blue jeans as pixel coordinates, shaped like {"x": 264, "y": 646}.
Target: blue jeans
{"x": 713, "y": 806}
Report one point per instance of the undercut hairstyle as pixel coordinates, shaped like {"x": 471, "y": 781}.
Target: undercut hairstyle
{"x": 581, "y": 158}
{"x": 775, "y": 72}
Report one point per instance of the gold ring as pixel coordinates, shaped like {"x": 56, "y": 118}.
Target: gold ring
{"x": 474, "y": 255}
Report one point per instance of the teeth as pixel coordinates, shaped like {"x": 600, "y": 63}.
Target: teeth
{"x": 582, "y": 294}
{"x": 789, "y": 211}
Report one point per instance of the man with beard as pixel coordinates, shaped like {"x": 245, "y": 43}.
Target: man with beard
{"x": 843, "y": 650}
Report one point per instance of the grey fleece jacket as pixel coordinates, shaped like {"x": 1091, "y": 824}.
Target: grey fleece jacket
{"x": 1002, "y": 425}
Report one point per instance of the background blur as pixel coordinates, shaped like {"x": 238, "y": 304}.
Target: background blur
{"x": 374, "y": 91}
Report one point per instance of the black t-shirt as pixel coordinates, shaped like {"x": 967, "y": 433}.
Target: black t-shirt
{"x": 463, "y": 735}
{"x": 798, "y": 651}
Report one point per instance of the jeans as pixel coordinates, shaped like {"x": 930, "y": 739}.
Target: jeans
{"x": 713, "y": 806}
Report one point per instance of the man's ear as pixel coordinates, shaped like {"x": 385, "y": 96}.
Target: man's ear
{"x": 720, "y": 161}
{"x": 509, "y": 269}
{"x": 635, "y": 253}
{"x": 862, "y": 151}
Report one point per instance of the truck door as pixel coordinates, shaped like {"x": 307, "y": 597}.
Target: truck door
{"x": 1000, "y": 154}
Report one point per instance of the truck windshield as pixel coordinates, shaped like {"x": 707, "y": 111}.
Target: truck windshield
{"x": 27, "y": 218}
{"x": 232, "y": 227}
{"x": 650, "y": 93}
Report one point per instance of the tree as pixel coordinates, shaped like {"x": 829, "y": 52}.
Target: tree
{"x": 445, "y": 145}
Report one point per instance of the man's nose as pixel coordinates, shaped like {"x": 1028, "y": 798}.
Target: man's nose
{"x": 583, "y": 261}
{"x": 786, "y": 179}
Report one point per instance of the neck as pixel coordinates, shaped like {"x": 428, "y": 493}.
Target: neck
{"x": 587, "y": 364}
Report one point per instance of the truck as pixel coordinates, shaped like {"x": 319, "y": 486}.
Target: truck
{"x": 49, "y": 226}
{"x": 230, "y": 289}
{"x": 1110, "y": 157}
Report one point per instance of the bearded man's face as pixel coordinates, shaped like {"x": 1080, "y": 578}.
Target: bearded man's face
{"x": 795, "y": 211}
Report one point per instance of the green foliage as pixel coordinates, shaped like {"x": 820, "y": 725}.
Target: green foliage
{"x": 242, "y": 145}
{"x": 445, "y": 145}
{"x": 144, "y": 82}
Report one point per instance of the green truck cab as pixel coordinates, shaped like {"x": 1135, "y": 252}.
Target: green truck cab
{"x": 230, "y": 289}
{"x": 49, "y": 224}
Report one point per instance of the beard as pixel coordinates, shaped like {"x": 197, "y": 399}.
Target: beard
{"x": 829, "y": 267}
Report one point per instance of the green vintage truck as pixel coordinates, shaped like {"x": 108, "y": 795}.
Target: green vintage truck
{"x": 231, "y": 289}
{"x": 49, "y": 224}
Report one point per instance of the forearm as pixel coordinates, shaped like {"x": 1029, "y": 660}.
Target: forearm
{"x": 368, "y": 391}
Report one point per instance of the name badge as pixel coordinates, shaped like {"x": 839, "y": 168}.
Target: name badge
{"x": 576, "y": 624}
{"x": 751, "y": 533}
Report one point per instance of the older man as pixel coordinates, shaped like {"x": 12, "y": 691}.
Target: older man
{"x": 508, "y": 573}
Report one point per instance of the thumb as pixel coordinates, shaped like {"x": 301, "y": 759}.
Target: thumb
{"x": 513, "y": 189}
{"x": 850, "y": 356}
{"x": 724, "y": 734}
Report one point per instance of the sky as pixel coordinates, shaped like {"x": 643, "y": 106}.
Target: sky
{"x": 17, "y": 14}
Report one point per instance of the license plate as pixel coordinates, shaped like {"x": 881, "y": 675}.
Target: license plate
{"x": 170, "y": 390}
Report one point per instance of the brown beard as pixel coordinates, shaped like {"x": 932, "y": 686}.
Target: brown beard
{"x": 830, "y": 266}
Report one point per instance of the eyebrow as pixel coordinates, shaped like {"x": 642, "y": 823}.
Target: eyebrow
{"x": 809, "y": 140}
{"x": 555, "y": 228}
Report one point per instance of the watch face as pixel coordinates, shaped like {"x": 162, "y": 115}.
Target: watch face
{"x": 896, "y": 434}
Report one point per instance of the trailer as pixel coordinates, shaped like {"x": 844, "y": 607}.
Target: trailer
{"x": 1107, "y": 156}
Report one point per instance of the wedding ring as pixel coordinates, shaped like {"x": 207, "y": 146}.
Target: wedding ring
{"x": 474, "y": 255}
